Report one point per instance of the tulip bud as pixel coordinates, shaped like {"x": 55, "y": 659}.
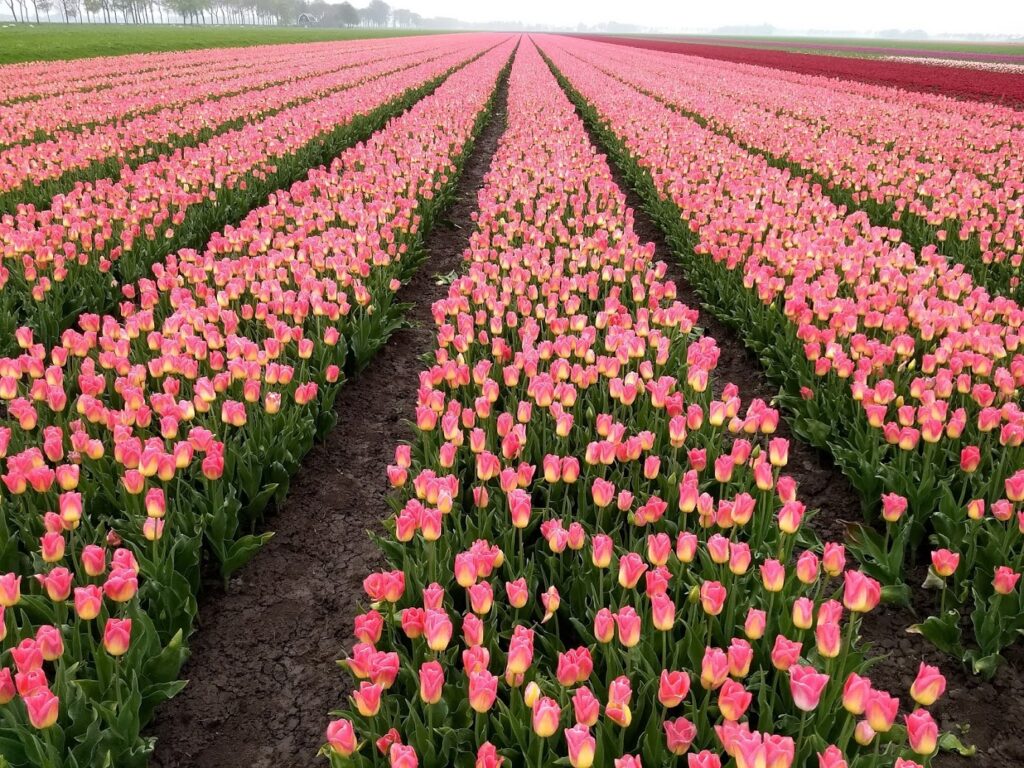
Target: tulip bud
{"x": 582, "y": 746}
{"x": 43, "y": 708}
{"x": 922, "y": 732}
{"x": 546, "y": 714}
{"x": 431, "y": 682}
{"x": 880, "y": 711}
{"x": 487, "y": 756}
{"x": 944, "y": 562}
{"x": 586, "y": 707}
{"x": 928, "y": 686}
{"x": 754, "y": 626}
{"x": 855, "y": 694}
{"x": 483, "y": 689}
{"x": 341, "y": 737}
{"x": 117, "y": 636}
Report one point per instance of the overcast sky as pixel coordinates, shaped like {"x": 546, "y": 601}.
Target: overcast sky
{"x": 1004, "y": 17}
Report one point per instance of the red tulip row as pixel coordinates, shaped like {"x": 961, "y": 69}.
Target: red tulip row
{"x": 74, "y": 257}
{"x": 138, "y": 442}
{"x": 951, "y": 174}
{"x": 596, "y": 555}
{"x": 894, "y": 361}
{"x": 34, "y": 173}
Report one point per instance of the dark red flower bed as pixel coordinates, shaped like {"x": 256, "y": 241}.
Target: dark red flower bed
{"x": 999, "y": 87}
{"x": 873, "y": 50}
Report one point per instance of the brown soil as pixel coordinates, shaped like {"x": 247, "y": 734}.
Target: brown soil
{"x": 991, "y": 713}
{"x": 262, "y": 677}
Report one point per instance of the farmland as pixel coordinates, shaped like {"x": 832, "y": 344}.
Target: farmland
{"x": 495, "y": 399}
{"x": 906, "y": 72}
{"x": 21, "y": 43}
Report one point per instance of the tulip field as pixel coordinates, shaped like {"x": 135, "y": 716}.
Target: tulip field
{"x": 588, "y": 544}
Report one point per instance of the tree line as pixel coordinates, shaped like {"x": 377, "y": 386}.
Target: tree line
{"x": 240, "y": 12}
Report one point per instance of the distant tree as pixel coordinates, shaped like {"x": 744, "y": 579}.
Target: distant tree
{"x": 348, "y": 15}
{"x": 95, "y": 7}
{"x": 43, "y": 6}
{"x": 377, "y": 13}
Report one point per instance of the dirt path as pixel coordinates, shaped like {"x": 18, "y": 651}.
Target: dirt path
{"x": 262, "y": 673}
{"x": 994, "y": 712}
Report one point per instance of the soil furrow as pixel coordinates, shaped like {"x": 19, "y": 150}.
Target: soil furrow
{"x": 261, "y": 674}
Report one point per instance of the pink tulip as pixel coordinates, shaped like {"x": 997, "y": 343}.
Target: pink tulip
{"x": 712, "y": 597}
{"x": 546, "y": 713}
{"x": 117, "y": 636}
{"x": 341, "y": 737}
{"x": 832, "y": 757}
{"x": 673, "y": 688}
{"x": 855, "y": 693}
{"x": 714, "y": 669}
{"x": 1005, "y": 580}
{"x": 894, "y": 507}
{"x": 679, "y": 735}
{"x": 367, "y": 698}
{"x": 586, "y": 707}
{"x": 487, "y": 756}
{"x": 922, "y": 732}
{"x": 483, "y": 689}
{"x": 7, "y": 688}
{"x": 945, "y": 562}
{"x": 628, "y": 623}
{"x": 94, "y": 560}
{"x": 733, "y": 700}
{"x": 50, "y": 642}
{"x": 755, "y": 623}
{"x": 860, "y": 593}
{"x": 631, "y": 569}
{"x": 431, "y": 682}
{"x": 880, "y": 711}
{"x": 401, "y": 756}
{"x": 806, "y": 685}
{"x": 785, "y": 653}
{"x": 582, "y": 746}
{"x": 704, "y": 759}
{"x": 928, "y": 686}
{"x": 43, "y": 708}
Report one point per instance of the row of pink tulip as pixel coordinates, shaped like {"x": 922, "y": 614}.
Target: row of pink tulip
{"x": 75, "y": 256}
{"x": 594, "y": 554}
{"x": 894, "y": 361}
{"x": 42, "y": 79}
{"x": 951, "y": 178}
{"x": 33, "y": 173}
{"x": 22, "y": 121}
{"x": 137, "y": 442}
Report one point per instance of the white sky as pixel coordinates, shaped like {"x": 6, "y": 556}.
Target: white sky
{"x": 1002, "y": 17}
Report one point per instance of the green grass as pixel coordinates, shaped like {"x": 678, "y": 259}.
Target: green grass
{"x": 21, "y": 42}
